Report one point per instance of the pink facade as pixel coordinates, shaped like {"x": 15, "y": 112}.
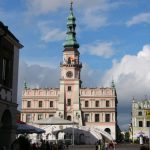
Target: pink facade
{"x": 86, "y": 106}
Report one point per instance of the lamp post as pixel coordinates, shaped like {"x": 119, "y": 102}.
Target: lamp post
{"x": 73, "y": 130}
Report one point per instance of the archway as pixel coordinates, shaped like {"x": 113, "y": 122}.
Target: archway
{"x": 69, "y": 118}
{"x": 5, "y": 129}
{"x": 81, "y": 138}
{"x": 108, "y": 130}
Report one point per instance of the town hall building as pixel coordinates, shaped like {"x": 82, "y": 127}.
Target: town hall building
{"x": 71, "y": 101}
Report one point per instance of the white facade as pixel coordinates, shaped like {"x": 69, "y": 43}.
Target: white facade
{"x": 141, "y": 118}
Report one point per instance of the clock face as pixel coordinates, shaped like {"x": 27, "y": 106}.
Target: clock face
{"x": 69, "y": 74}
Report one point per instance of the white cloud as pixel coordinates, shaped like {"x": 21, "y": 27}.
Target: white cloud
{"x": 50, "y": 34}
{"x": 38, "y": 7}
{"x": 90, "y": 74}
{"x": 94, "y": 13}
{"x": 93, "y": 19}
{"x": 103, "y": 49}
{"x": 36, "y": 76}
{"x": 140, "y": 18}
{"x": 53, "y": 35}
{"x": 132, "y": 78}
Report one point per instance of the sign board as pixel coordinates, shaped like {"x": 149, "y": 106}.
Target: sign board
{"x": 147, "y": 112}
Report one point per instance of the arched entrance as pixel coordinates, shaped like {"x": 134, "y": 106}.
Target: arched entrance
{"x": 69, "y": 118}
{"x": 5, "y": 129}
{"x": 108, "y": 130}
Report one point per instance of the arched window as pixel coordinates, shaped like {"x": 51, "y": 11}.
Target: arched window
{"x": 69, "y": 60}
{"x": 69, "y": 118}
{"x": 108, "y": 130}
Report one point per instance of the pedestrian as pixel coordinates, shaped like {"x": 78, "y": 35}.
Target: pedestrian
{"x": 99, "y": 145}
{"x": 96, "y": 145}
{"x": 111, "y": 145}
{"x": 106, "y": 146}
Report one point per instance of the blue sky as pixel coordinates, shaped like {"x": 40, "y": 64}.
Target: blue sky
{"x": 113, "y": 37}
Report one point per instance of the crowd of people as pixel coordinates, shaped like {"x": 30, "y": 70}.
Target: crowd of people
{"x": 23, "y": 143}
{"x": 100, "y": 145}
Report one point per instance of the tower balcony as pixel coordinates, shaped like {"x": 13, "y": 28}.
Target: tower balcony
{"x": 77, "y": 65}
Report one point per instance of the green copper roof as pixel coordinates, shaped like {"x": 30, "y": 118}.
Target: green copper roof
{"x": 25, "y": 85}
{"x": 71, "y": 34}
{"x": 113, "y": 84}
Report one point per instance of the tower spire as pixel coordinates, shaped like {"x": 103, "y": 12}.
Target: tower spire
{"x": 71, "y": 33}
{"x": 113, "y": 84}
{"x": 71, "y": 7}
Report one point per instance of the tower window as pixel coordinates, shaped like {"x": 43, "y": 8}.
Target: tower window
{"x": 69, "y": 88}
{"x": 96, "y": 117}
{"x": 69, "y": 60}
{"x": 107, "y": 104}
{"x": 107, "y": 117}
{"x": 51, "y": 104}
{"x": 86, "y": 103}
{"x": 40, "y": 103}
{"x": 28, "y": 103}
{"x": 140, "y": 123}
{"x": 69, "y": 102}
{"x": 96, "y": 103}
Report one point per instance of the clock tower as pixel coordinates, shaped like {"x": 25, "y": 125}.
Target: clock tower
{"x": 70, "y": 68}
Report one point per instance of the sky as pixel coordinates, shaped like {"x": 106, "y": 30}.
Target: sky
{"x": 113, "y": 37}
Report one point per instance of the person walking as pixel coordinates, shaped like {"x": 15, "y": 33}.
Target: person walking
{"x": 111, "y": 145}
{"x": 99, "y": 145}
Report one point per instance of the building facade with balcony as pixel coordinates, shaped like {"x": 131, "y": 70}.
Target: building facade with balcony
{"x": 86, "y": 106}
{"x": 9, "y": 58}
{"x": 140, "y": 119}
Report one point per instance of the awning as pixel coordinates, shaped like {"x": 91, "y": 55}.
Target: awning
{"x": 22, "y": 128}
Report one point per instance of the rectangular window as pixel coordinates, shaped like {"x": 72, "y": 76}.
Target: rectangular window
{"x": 40, "y": 103}
{"x": 148, "y": 123}
{"x": 140, "y": 113}
{"x": 69, "y": 102}
{"x": 96, "y": 103}
{"x": 28, "y": 103}
{"x": 107, "y": 104}
{"x": 51, "y": 104}
{"x": 107, "y": 117}
{"x": 4, "y": 68}
{"x": 86, "y": 117}
{"x": 40, "y": 116}
{"x": 96, "y": 117}
{"x": 140, "y": 123}
{"x": 50, "y": 115}
{"x": 6, "y": 74}
{"x": 28, "y": 118}
{"x": 86, "y": 103}
{"x": 69, "y": 88}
